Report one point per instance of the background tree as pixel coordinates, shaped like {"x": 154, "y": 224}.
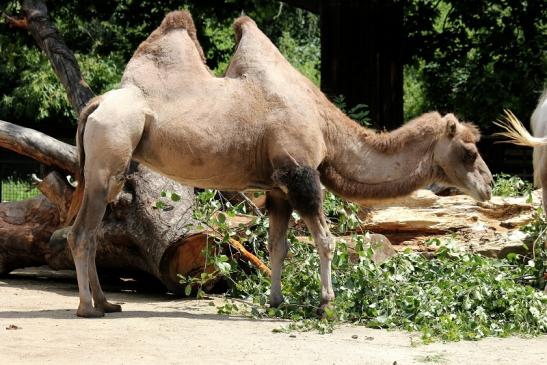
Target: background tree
{"x": 476, "y": 57}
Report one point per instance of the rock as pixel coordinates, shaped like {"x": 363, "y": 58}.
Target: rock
{"x": 381, "y": 247}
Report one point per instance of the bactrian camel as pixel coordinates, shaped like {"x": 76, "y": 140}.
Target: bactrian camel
{"x": 517, "y": 134}
{"x": 263, "y": 126}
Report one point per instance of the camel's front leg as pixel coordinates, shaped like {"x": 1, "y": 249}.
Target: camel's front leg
{"x": 305, "y": 196}
{"x": 324, "y": 242}
{"x": 279, "y": 212}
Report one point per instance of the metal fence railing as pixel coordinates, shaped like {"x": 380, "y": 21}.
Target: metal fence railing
{"x": 15, "y": 177}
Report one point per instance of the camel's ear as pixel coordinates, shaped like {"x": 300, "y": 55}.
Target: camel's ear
{"x": 451, "y": 125}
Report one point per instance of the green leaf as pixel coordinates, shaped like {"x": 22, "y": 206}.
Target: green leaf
{"x": 188, "y": 290}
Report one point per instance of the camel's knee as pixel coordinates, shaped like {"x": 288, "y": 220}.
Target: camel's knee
{"x": 303, "y": 188}
{"x": 80, "y": 242}
{"x": 325, "y": 245}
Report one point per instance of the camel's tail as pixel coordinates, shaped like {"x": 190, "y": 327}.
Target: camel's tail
{"x": 516, "y": 133}
{"x": 78, "y": 194}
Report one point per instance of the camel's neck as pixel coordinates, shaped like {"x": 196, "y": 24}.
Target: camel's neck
{"x": 364, "y": 164}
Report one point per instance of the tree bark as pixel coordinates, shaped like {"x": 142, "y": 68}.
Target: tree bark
{"x": 60, "y": 56}
{"x": 39, "y": 146}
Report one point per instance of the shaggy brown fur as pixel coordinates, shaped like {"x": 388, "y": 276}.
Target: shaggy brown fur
{"x": 430, "y": 126}
{"x": 303, "y": 188}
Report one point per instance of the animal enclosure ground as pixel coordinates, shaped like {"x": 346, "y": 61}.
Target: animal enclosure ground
{"x": 38, "y": 325}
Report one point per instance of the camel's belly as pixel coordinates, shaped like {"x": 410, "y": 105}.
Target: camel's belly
{"x": 211, "y": 172}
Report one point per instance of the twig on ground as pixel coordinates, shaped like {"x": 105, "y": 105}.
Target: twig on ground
{"x": 250, "y": 257}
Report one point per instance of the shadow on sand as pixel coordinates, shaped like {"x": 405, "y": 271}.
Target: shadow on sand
{"x": 118, "y": 290}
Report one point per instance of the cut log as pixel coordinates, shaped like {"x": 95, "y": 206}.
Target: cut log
{"x": 491, "y": 228}
{"x": 25, "y": 229}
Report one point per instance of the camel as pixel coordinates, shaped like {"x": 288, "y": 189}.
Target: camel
{"x": 263, "y": 126}
{"x": 517, "y": 134}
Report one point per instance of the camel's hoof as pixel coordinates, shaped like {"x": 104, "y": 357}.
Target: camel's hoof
{"x": 323, "y": 311}
{"x": 89, "y": 313}
{"x": 109, "y": 307}
{"x": 276, "y": 302}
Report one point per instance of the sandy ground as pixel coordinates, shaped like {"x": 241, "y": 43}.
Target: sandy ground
{"x": 157, "y": 329}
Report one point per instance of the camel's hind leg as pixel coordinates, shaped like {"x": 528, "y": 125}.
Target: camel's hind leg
{"x": 82, "y": 240}
{"x": 110, "y": 137}
{"x": 279, "y": 212}
{"x": 99, "y": 298}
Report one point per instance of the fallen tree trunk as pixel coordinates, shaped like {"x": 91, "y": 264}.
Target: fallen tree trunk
{"x": 135, "y": 235}
{"x": 38, "y": 146}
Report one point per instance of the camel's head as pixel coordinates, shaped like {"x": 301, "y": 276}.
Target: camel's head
{"x": 459, "y": 161}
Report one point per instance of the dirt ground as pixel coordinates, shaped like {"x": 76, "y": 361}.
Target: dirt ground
{"x": 157, "y": 328}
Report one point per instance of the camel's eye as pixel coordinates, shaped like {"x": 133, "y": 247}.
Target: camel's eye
{"x": 470, "y": 155}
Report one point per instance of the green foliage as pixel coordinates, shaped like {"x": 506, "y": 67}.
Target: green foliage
{"x": 360, "y": 112}
{"x": 507, "y": 185}
{"x": 220, "y": 36}
{"x": 454, "y": 296}
{"x": 479, "y": 57}
{"x": 15, "y": 190}
{"x": 343, "y": 215}
{"x": 414, "y": 103}
{"x": 305, "y": 57}
{"x": 451, "y": 297}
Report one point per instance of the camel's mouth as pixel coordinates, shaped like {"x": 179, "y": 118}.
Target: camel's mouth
{"x": 479, "y": 185}
{"x": 481, "y": 195}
